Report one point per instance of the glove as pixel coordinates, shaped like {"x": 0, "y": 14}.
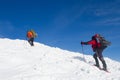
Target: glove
{"x": 82, "y": 43}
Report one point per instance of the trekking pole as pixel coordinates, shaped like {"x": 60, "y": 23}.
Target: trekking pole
{"x": 83, "y": 53}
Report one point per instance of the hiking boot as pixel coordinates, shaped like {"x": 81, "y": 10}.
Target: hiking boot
{"x": 97, "y": 65}
{"x": 104, "y": 69}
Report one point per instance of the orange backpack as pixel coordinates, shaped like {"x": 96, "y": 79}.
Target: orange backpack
{"x": 29, "y": 34}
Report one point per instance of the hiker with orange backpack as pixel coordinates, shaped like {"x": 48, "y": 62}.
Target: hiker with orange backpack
{"x": 31, "y": 35}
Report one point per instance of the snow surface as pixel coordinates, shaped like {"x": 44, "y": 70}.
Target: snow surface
{"x": 20, "y": 61}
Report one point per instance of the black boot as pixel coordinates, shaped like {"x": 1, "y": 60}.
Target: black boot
{"x": 104, "y": 65}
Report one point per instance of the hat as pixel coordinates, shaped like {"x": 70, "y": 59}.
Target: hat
{"x": 97, "y": 35}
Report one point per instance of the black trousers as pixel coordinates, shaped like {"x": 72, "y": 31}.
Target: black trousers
{"x": 98, "y": 53}
{"x": 31, "y": 40}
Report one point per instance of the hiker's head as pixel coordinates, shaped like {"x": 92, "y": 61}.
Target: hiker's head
{"x": 97, "y": 35}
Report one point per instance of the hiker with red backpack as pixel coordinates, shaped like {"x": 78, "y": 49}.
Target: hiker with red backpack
{"x": 98, "y": 46}
{"x": 31, "y": 35}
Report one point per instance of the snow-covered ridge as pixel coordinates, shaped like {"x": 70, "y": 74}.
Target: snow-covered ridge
{"x": 20, "y": 61}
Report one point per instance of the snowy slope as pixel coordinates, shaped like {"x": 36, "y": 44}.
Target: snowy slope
{"x": 19, "y": 61}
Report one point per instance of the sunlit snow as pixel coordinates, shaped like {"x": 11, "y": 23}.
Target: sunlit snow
{"x": 20, "y": 61}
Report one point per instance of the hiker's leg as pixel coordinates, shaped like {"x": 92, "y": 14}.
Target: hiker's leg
{"x": 96, "y": 60}
{"x": 102, "y": 59}
{"x": 32, "y": 40}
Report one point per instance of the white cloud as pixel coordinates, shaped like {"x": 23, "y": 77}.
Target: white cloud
{"x": 67, "y": 16}
{"x": 104, "y": 8}
{"x": 106, "y": 21}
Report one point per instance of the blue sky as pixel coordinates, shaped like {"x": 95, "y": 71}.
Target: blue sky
{"x": 63, "y": 23}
